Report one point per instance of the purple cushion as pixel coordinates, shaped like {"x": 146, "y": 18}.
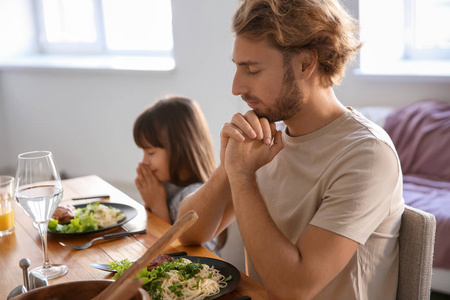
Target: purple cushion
{"x": 421, "y": 135}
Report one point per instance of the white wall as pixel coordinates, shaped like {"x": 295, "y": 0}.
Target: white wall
{"x": 85, "y": 117}
{"x": 13, "y": 14}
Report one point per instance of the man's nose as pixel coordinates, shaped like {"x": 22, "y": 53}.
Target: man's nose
{"x": 239, "y": 86}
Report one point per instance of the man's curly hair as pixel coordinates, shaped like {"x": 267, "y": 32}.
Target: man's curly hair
{"x": 323, "y": 28}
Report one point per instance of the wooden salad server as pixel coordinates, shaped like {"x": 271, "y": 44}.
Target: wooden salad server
{"x": 129, "y": 287}
{"x": 166, "y": 239}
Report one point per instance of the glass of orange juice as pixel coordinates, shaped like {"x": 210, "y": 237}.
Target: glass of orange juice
{"x": 6, "y": 205}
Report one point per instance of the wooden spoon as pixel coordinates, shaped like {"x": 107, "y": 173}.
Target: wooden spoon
{"x": 167, "y": 238}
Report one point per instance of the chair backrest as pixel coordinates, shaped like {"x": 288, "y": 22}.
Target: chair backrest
{"x": 416, "y": 244}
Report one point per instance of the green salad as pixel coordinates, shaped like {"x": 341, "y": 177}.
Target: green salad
{"x": 77, "y": 224}
{"x": 89, "y": 218}
{"x": 177, "y": 278}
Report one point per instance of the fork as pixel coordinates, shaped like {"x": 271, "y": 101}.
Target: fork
{"x": 105, "y": 237}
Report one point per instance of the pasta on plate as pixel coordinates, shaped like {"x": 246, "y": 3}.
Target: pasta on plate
{"x": 86, "y": 218}
{"x": 179, "y": 279}
{"x": 105, "y": 216}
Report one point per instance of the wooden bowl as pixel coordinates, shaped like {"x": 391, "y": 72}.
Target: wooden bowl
{"x": 75, "y": 290}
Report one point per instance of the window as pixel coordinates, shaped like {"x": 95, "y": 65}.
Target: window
{"x": 409, "y": 37}
{"x": 92, "y": 34}
{"x": 429, "y": 24}
{"x": 67, "y": 26}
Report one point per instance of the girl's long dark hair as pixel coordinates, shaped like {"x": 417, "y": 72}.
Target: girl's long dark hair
{"x": 178, "y": 125}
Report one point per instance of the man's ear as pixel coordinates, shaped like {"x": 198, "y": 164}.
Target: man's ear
{"x": 308, "y": 62}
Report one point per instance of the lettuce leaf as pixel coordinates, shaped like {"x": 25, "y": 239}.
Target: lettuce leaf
{"x": 120, "y": 266}
{"x": 152, "y": 280}
{"x": 77, "y": 224}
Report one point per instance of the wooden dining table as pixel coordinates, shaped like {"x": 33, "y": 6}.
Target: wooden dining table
{"x": 25, "y": 242}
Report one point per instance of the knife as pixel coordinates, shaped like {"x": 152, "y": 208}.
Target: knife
{"x": 105, "y": 267}
{"x": 91, "y": 197}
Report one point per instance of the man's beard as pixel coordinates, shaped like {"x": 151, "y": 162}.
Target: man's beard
{"x": 288, "y": 102}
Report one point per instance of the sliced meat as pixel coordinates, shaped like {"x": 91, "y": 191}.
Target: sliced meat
{"x": 64, "y": 214}
{"x": 158, "y": 260}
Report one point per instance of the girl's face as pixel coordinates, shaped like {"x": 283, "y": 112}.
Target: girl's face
{"x": 158, "y": 161}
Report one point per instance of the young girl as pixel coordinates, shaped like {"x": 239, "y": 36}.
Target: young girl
{"x": 178, "y": 157}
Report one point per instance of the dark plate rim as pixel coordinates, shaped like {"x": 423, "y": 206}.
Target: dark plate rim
{"x": 224, "y": 267}
{"x": 129, "y": 211}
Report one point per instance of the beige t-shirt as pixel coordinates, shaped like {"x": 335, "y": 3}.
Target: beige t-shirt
{"x": 345, "y": 178}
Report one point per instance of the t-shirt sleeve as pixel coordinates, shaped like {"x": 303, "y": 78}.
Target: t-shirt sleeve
{"x": 363, "y": 182}
{"x": 181, "y": 194}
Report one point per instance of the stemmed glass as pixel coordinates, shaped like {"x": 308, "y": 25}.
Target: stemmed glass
{"x": 39, "y": 191}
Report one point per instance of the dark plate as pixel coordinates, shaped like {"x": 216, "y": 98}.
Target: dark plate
{"x": 225, "y": 268}
{"x": 129, "y": 211}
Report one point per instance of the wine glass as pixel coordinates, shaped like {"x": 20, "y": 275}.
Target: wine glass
{"x": 39, "y": 191}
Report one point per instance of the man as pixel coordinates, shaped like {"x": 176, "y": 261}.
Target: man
{"x": 319, "y": 203}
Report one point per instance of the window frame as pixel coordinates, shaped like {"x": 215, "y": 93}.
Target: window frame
{"x": 44, "y": 47}
{"x": 411, "y": 52}
{"x": 98, "y": 48}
